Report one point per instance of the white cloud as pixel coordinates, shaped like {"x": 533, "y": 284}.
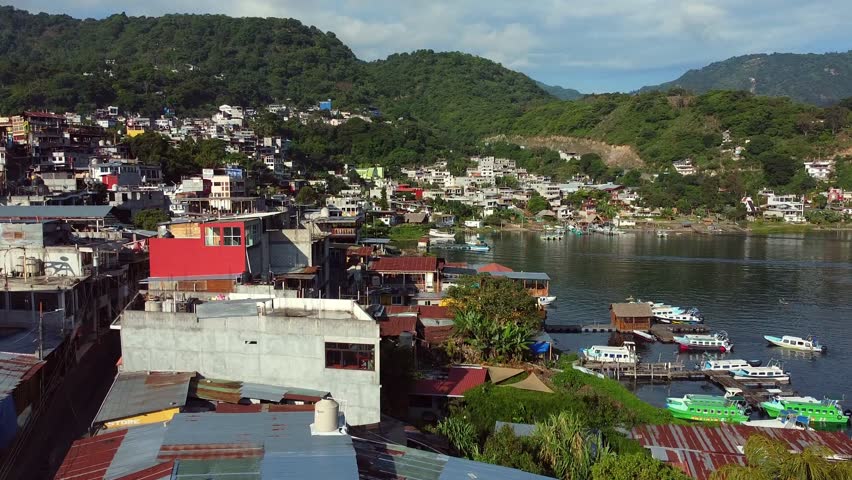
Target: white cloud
{"x": 585, "y": 39}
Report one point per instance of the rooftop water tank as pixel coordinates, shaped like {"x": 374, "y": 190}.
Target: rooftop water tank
{"x": 325, "y": 416}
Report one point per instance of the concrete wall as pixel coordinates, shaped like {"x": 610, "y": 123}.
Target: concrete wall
{"x": 270, "y": 349}
{"x": 289, "y": 248}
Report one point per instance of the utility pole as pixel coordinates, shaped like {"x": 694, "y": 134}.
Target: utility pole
{"x": 40, "y": 332}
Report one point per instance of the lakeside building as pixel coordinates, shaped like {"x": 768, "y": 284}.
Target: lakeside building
{"x": 819, "y": 169}
{"x": 321, "y": 344}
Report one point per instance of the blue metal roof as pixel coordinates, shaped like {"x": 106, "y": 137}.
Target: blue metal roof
{"x": 522, "y": 275}
{"x": 138, "y": 450}
{"x": 462, "y": 468}
{"x": 520, "y": 429}
{"x": 56, "y": 211}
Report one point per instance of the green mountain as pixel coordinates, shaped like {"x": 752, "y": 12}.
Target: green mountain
{"x": 192, "y": 63}
{"x": 560, "y": 92}
{"x": 818, "y": 79}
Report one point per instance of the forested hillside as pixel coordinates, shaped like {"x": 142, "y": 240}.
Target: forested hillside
{"x": 819, "y": 79}
{"x": 561, "y": 93}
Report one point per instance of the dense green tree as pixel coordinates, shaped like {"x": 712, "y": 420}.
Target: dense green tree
{"x": 537, "y": 203}
{"x": 504, "y": 448}
{"x": 497, "y": 299}
{"x": 307, "y": 196}
{"x": 636, "y": 466}
{"x": 778, "y": 168}
{"x": 567, "y": 447}
{"x": 478, "y": 338}
{"x": 149, "y": 218}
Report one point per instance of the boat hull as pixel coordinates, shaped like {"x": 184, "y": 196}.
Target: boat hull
{"x": 686, "y": 347}
{"x": 684, "y": 415}
{"x": 767, "y": 380}
{"x": 778, "y": 343}
{"x": 774, "y": 410}
{"x": 544, "y": 301}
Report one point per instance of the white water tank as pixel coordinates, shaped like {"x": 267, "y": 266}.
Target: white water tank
{"x": 153, "y": 306}
{"x": 325, "y": 416}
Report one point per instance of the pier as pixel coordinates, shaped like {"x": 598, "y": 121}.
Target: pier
{"x": 591, "y": 328}
{"x": 665, "y": 333}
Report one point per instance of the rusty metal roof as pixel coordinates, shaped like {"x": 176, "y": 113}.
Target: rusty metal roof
{"x": 14, "y": 368}
{"x": 458, "y": 381}
{"x": 404, "y": 264}
{"x": 699, "y": 450}
{"x": 137, "y": 393}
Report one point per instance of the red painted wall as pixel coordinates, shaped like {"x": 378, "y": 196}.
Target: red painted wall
{"x": 182, "y": 257}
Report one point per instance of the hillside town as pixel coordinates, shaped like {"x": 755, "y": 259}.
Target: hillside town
{"x": 273, "y": 306}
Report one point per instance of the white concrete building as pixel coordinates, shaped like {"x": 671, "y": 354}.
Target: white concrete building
{"x": 328, "y": 345}
{"x": 685, "y": 167}
{"x": 820, "y": 169}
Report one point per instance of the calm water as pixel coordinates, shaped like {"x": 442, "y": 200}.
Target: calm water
{"x": 736, "y": 281}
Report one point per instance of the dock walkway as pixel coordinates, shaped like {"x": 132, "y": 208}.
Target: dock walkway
{"x": 665, "y": 333}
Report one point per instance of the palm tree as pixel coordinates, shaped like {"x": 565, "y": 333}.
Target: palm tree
{"x": 770, "y": 460}
{"x": 567, "y": 447}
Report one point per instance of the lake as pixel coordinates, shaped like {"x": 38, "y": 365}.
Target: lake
{"x": 740, "y": 283}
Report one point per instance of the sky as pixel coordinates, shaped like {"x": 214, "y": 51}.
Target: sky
{"x": 591, "y": 45}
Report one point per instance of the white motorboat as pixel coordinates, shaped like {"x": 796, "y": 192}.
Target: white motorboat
{"x": 662, "y": 234}
{"x": 790, "y": 420}
{"x": 435, "y": 233}
{"x": 671, "y": 315}
{"x": 545, "y": 301}
{"x": 607, "y": 354}
{"x": 809, "y": 344}
{"x": 724, "y": 365}
{"x": 771, "y": 372}
{"x": 718, "y": 341}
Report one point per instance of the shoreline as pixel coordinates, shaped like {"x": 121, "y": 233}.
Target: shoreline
{"x": 677, "y": 227}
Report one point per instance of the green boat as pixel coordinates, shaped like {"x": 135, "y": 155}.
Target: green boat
{"x": 709, "y": 408}
{"x": 819, "y": 411}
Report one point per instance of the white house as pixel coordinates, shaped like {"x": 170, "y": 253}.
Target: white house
{"x": 819, "y": 169}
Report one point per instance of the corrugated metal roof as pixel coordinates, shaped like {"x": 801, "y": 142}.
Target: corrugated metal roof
{"x": 699, "y": 451}
{"x": 90, "y": 458}
{"x": 520, "y": 429}
{"x": 522, "y": 275}
{"x": 138, "y": 450}
{"x": 13, "y": 369}
{"x": 262, "y": 392}
{"x": 161, "y": 471}
{"x": 394, "y": 325}
{"x": 384, "y": 461}
{"x": 461, "y": 468}
{"x": 404, "y": 264}
{"x": 56, "y": 211}
{"x": 494, "y": 267}
{"x": 136, "y": 393}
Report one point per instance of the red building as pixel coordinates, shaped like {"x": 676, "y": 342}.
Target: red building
{"x": 416, "y": 191}
{"x": 215, "y": 249}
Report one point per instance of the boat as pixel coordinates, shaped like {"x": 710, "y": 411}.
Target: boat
{"x": 482, "y": 247}
{"x": 783, "y": 302}
{"x": 718, "y": 341}
{"x": 645, "y": 336}
{"x": 787, "y": 420}
{"x": 607, "y": 354}
{"x": 691, "y": 316}
{"x": 711, "y": 365}
{"x": 771, "y": 372}
{"x": 809, "y": 344}
{"x": 545, "y": 301}
{"x": 662, "y": 234}
{"x": 709, "y": 408}
{"x": 435, "y": 233}
{"x": 818, "y": 411}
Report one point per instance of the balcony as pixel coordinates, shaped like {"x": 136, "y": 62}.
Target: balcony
{"x": 343, "y": 232}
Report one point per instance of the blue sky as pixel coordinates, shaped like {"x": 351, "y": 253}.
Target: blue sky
{"x": 592, "y": 45}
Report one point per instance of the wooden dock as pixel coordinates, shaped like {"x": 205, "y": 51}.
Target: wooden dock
{"x": 653, "y": 372}
{"x": 592, "y": 328}
{"x": 665, "y": 333}
{"x": 754, "y": 392}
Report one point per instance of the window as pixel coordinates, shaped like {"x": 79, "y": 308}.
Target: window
{"x": 212, "y": 236}
{"x": 253, "y": 234}
{"x": 233, "y": 236}
{"x": 349, "y": 356}
{"x": 396, "y": 300}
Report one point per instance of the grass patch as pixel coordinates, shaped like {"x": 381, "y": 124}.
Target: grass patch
{"x": 766, "y": 228}
{"x": 408, "y": 232}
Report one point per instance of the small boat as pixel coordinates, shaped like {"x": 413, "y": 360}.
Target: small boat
{"x": 809, "y": 344}
{"x": 645, "y": 336}
{"x": 819, "y": 411}
{"x": 673, "y": 315}
{"x": 710, "y": 365}
{"x": 718, "y": 341}
{"x": 771, "y": 372}
{"x": 484, "y": 247}
{"x": 435, "y": 233}
{"x": 545, "y": 301}
{"x": 709, "y": 408}
{"x": 607, "y": 354}
{"x": 662, "y": 234}
{"x": 787, "y": 420}
{"x": 782, "y": 301}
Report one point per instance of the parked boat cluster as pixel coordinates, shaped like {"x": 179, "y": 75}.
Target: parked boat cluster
{"x": 792, "y": 412}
